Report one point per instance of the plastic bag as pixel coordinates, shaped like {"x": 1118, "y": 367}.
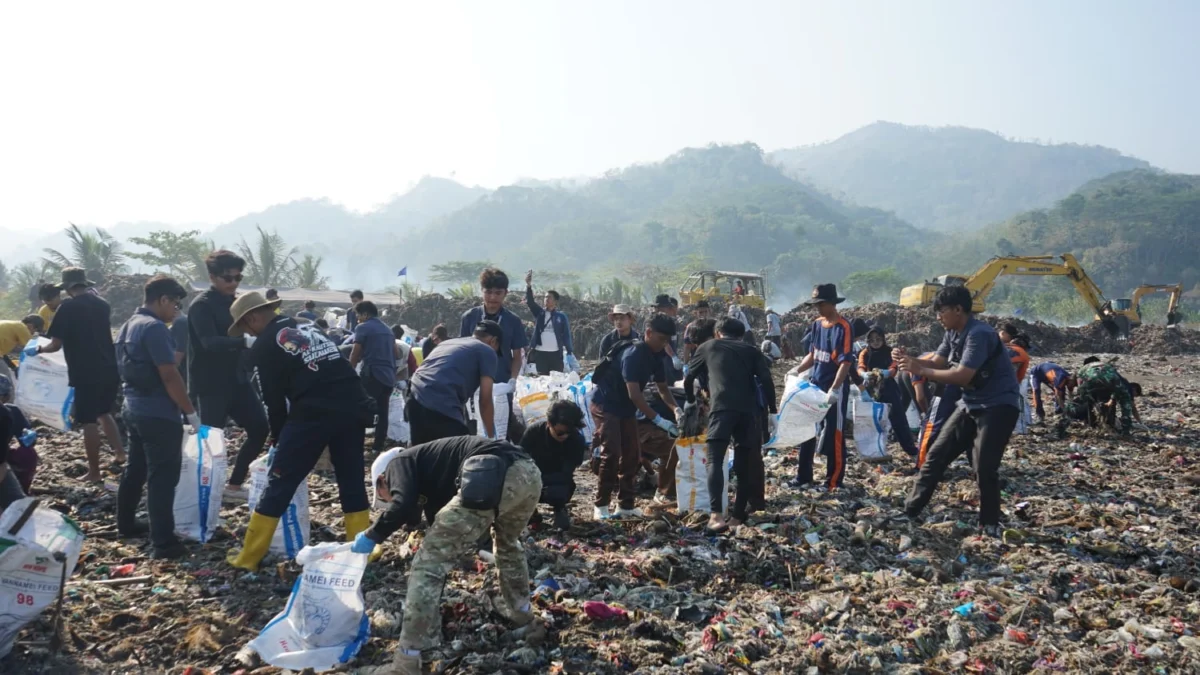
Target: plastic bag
{"x": 43, "y": 391}
{"x": 31, "y": 577}
{"x": 500, "y": 410}
{"x": 325, "y": 622}
{"x": 398, "y": 429}
{"x": 871, "y": 426}
{"x": 802, "y": 409}
{"x": 201, "y": 484}
{"x": 1025, "y": 418}
{"x": 294, "y": 527}
{"x": 913, "y": 417}
{"x": 691, "y": 475}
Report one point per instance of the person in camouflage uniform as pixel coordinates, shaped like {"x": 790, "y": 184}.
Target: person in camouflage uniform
{"x": 425, "y": 477}
{"x": 1099, "y": 384}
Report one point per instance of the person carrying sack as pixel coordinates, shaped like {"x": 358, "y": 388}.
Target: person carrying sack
{"x": 314, "y": 400}
{"x": 465, "y": 485}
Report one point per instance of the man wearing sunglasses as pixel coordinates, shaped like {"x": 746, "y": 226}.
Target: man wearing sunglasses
{"x": 218, "y": 376}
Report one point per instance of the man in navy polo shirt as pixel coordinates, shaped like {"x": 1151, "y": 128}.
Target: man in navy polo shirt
{"x": 971, "y": 357}
{"x": 155, "y": 397}
{"x": 493, "y": 284}
{"x": 377, "y": 350}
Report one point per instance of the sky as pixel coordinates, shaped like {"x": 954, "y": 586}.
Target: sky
{"x": 202, "y": 112}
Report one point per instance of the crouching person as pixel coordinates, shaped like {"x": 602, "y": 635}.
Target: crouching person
{"x": 314, "y": 400}
{"x": 558, "y": 448}
{"x": 500, "y": 488}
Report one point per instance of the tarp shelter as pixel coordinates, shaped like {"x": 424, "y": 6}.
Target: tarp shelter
{"x": 334, "y": 298}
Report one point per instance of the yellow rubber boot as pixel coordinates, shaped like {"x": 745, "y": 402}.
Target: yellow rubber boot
{"x": 258, "y": 542}
{"x": 360, "y": 521}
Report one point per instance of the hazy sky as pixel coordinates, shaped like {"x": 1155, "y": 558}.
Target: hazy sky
{"x": 200, "y": 112}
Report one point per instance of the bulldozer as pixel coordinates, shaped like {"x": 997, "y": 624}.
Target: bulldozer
{"x": 718, "y": 285}
{"x": 1131, "y": 308}
{"x": 983, "y": 281}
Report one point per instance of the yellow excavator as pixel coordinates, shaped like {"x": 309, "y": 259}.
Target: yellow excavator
{"x": 1131, "y": 308}
{"x": 984, "y": 280}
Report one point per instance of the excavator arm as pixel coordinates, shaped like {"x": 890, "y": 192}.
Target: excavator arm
{"x": 1175, "y": 290}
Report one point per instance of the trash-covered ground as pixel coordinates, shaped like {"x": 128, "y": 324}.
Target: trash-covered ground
{"x": 1097, "y": 572}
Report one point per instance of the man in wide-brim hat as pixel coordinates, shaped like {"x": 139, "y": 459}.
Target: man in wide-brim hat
{"x": 314, "y": 400}
{"x": 831, "y": 359}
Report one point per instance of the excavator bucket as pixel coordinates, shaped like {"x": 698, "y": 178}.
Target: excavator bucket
{"x": 1117, "y": 326}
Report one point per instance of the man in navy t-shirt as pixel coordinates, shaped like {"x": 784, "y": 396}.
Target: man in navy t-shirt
{"x": 155, "y": 397}
{"x": 615, "y": 404}
{"x": 971, "y": 357}
{"x": 831, "y": 358}
{"x": 377, "y": 350}
{"x": 494, "y": 285}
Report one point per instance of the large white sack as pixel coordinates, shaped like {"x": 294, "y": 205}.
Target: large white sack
{"x": 581, "y": 393}
{"x": 691, "y": 475}
{"x": 500, "y": 392}
{"x": 294, "y": 527}
{"x": 43, "y": 392}
{"x": 802, "y": 408}
{"x": 871, "y": 426}
{"x": 534, "y": 395}
{"x": 398, "y": 429}
{"x": 325, "y": 622}
{"x": 29, "y": 576}
{"x": 201, "y": 484}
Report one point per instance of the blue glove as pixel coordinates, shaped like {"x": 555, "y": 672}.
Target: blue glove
{"x": 677, "y": 362}
{"x": 363, "y": 544}
{"x": 31, "y": 350}
{"x": 666, "y": 425}
{"x": 28, "y": 438}
{"x": 572, "y": 363}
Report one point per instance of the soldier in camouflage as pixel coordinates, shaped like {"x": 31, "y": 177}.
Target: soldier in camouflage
{"x": 426, "y": 478}
{"x": 1099, "y": 386}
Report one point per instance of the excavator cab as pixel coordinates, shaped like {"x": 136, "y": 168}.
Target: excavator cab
{"x": 1131, "y": 308}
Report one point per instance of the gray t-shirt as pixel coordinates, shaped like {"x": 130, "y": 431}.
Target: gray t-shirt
{"x": 449, "y": 377}
{"x": 973, "y": 347}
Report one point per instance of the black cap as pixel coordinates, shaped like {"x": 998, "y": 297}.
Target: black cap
{"x": 662, "y": 300}
{"x": 490, "y": 328}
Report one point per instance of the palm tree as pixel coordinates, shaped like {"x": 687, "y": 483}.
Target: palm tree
{"x": 269, "y": 262}
{"x": 99, "y": 254}
{"x": 308, "y": 274}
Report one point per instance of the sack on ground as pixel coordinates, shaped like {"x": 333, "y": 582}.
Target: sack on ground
{"x": 201, "y": 484}
{"x": 31, "y": 576}
{"x": 803, "y": 407}
{"x": 43, "y": 391}
{"x": 691, "y": 475}
{"x": 500, "y": 392}
{"x": 294, "y": 527}
{"x": 398, "y": 429}
{"x": 535, "y": 395}
{"x": 325, "y": 622}
{"x": 871, "y": 428}
{"x": 581, "y": 392}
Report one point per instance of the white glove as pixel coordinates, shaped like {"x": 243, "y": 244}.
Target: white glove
{"x": 193, "y": 423}
{"x": 677, "y": 362}
{"x": 249, "y": 340}
{"x": 666, "y": 425}
{"x": 831, "y": 397}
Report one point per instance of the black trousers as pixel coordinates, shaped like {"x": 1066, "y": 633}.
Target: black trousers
{"x": 425, "y": 425}
{"x": 547, "y": 362}
{"x": 985, "y": 434}
{"x": 382, "y": 395}
{"x": 155, "y": 457}
{"x": 742, "y": 429}
{"x": 243, "y": 405}
{"x": 300, "y": 445}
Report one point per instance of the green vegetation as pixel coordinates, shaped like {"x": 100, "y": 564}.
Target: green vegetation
{"x": 949, "y": 178}
{"x": 99, "y": 254}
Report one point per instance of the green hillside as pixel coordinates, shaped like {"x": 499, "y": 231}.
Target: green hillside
{"x": 949, "y": 178}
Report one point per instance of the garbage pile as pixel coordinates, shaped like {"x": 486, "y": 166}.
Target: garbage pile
{"x": 917, "y": 328}
{"x": 1098, "y": 570}
{"x": 124, "y": 293}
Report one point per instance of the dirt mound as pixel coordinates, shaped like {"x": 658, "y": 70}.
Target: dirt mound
{"x": 918, "y": 329}
{"x": 124, "y": 293}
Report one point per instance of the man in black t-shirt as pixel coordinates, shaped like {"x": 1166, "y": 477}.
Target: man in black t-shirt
{"x": 557, "y": 447}
{"x": 82, "y": 328}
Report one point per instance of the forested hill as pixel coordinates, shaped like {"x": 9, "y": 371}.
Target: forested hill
{"x": 949, "y": 178}
{"x": 1127, "y": 229}
{"x": 723, "y": 203}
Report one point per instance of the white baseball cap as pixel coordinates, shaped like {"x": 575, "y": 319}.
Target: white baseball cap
{"x": 377, "y": 468}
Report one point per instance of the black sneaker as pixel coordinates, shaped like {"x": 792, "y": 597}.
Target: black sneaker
{"x": 562, "y": 519}
{"x": 170, "y": 552}
{"x": 138, "y": 528}
{"x": 795, "y": 483}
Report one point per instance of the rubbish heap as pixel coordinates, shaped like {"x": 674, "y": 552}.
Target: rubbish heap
{"x": 1098, "y": 570}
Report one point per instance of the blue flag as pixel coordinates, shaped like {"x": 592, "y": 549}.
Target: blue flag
{"x": 403, "y": 272}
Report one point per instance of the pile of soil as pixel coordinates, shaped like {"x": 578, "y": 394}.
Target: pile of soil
{"x": 918, "y": 329}
{"x": 124, "y": 293}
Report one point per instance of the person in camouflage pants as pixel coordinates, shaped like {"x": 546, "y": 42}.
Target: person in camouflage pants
{"x": 429, "y": 471}
{"x": 1099, "y": 384}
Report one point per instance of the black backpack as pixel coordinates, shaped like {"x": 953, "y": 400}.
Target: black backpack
{"x": 604, "y": 370}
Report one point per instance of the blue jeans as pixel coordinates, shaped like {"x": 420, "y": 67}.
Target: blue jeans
{"x": 300, "y": 445}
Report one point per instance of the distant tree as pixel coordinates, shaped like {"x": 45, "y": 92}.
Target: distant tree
{"x": 459, "y": 272}
{"x": 3, "y": 276}
{"x": 24, "y": 276}
{"x": 308, "y": 274}
{"x": 873, "y": 285}
{"x": 180, "y": 254}
{"x": 99, "y": 254}
{"x": 269, "y": 262}
{"x": 1005, "y": 247}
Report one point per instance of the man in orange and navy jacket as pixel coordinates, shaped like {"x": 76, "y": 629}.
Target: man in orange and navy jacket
{"x": 875, "y": 361}
{"x": 1059, "y": 381}
{"x": 831, "y": 358}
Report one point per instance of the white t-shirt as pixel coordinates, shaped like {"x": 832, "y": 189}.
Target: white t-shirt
{"x": 773, "y": 325}
{"x": 549, "y": 338}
